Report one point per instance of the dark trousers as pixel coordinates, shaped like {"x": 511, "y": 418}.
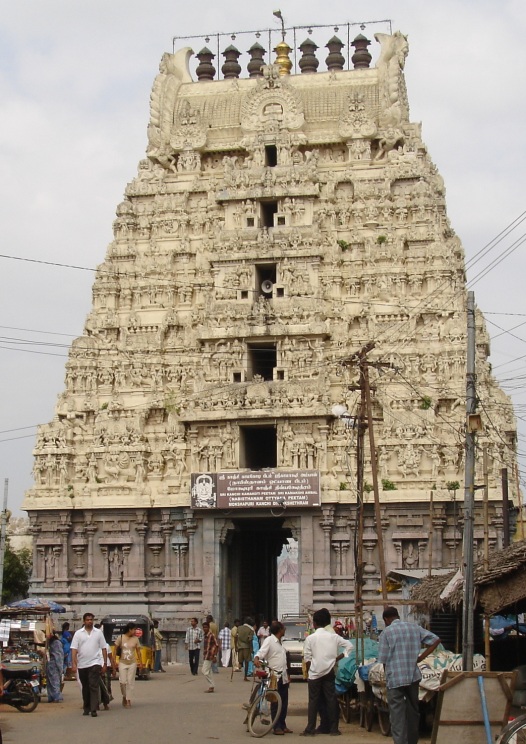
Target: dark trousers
{"x": 283, "y": 692}
{"x": 322, "y": 690}
{"x": 404, "y": 713}
{"x": 90, "y": 681}
{"x": 193, "y": 658}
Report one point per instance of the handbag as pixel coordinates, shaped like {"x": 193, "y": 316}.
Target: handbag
{"x": 118, "y": 650}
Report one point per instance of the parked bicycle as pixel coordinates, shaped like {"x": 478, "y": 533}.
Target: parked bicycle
{"x": 264, "y": 705}
{"x": 514, "y": 732}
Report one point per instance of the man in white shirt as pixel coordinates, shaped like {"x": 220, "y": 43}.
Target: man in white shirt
{"x": 86, "y": 646}
{"x": 275, "y": 656}
{"x": 321, "y": 651}
{"x": 263, "y": 632}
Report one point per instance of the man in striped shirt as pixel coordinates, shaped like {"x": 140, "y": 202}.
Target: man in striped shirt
{"x": 225, "y": 644}
{"x": 192, "y": 642}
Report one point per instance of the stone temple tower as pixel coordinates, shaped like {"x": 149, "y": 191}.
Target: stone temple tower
{"x": 277, "y": 225}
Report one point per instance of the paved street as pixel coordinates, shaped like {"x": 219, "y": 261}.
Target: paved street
{"x": 169, "y": 705}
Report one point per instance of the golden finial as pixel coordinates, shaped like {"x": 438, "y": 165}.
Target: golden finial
{"x": 282, "y": 49}
{"x": 282, "y": 58}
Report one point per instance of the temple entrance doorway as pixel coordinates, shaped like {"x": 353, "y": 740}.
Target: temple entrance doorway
{"x": 250, "y": 567}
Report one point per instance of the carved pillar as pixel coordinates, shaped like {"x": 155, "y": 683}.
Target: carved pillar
{"x": 194, "y": 454}
{"x": 34, "y": 529}
{"x": 78, "y": 545}
{"x": 498, "y": 523}
{"x": 166, "y": 529}
{"x": 91, "y": 528}
{"x": 191, "y": 527}
{"x": 62, "y": 556}
{"x": 326, "y": 523}
{"x": 141, "y": 527}
{"x": 398, "y": 549}
{"x": 439, "y": 523}
{"x": 321, "y": 459}
{"x": 340, "y": 541}
{"x": 179, "y": 543}
{"x": 125, "y": 561}
{"x": 58, "y": 563}
{"x": 370, "y": 541}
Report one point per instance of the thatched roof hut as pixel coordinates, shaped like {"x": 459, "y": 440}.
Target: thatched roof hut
{"x": 502, "y": 585}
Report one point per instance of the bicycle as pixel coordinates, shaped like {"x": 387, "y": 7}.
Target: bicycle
{"x": 514, "y": 732}
{"x": 264, "y": 704}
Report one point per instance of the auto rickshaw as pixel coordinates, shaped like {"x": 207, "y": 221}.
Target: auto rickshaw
{"x": 113, "y": 626}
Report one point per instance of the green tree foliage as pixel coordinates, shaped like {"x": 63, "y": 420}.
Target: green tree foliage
{"x": 17, "y": 570}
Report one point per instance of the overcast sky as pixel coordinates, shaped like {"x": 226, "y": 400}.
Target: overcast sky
{"x": 75, "y": 80}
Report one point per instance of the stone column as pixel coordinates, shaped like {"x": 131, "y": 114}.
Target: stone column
{"x": 91, "y": 528}
{"x": 34, "y": 529}
{"x": 306, "y": 560}
{"x": 191, "y": 527}
{"x": 141, "y": 527}
{"x": 166, "y": 529}
{"x": 326, "y": 523}
{"x": 439, "y": 524}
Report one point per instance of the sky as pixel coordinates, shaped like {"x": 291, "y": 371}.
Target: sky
{"x": 75, "y": 81}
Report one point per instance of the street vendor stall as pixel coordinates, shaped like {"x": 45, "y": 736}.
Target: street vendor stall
{"x": 500, "y": 590}
{"x": 25, "y": 629}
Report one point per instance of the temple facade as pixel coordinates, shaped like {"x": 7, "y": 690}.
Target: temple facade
{"x": 278, "y": 224}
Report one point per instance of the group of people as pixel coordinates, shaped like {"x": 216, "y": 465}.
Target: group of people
{"x": 400, "y": 651}
{"x": 237, "y": 646}
{"x": 95, "y": 663}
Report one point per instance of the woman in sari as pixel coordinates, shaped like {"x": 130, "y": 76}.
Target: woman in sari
{"x": 54, "y": 669}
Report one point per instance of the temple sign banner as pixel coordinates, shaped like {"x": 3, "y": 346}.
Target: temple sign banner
{"x": 252, "y": 489}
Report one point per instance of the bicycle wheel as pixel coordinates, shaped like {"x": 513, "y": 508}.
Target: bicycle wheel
{"x": 260, "y": 718}
{"x": 514, "y": 732}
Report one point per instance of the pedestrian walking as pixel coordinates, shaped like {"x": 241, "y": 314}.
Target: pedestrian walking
{"x": 54, "y": 669}
{"x": 214, "y": 628}
{"x": 224, "y": 639}
{"x": 400, "y": 650}
{"x": 273, "y": 654}
{"x": 245, "y": 633}
{"x": 321, "y": 651}
{"x": 192, "y": 643}
{"x": 86, "y": 646}
{"x": 158, "y": 636}
{"x": 263, "y": 632}
{"x": 210, "y": 648}
{"x": 233, "y": 644}
{"x": 66, "y": 637}
{"x": 128, "y": 660}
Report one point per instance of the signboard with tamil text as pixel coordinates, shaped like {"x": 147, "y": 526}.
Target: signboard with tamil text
{"x": 256, "y": 489}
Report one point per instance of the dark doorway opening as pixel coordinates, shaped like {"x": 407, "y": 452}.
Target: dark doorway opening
{"x": 271, "y": 156}
{"x": 258, "y": 447}
{"x": 268, "y": 210}
{"x": 262, "y": 360}
{"x": 251, "y": 577}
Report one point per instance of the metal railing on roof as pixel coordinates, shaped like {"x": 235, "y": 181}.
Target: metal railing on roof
{"x": 215, "y": 41}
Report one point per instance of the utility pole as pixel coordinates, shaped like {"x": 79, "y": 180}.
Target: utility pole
{"x": 3, "y": 531}
{"x": 365, "y": 421}
{"x": 359, "y": 564}
{"x": 364, "y": 378}
{"x": 469, "y": 494}
{"x": 505, "y": 509}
